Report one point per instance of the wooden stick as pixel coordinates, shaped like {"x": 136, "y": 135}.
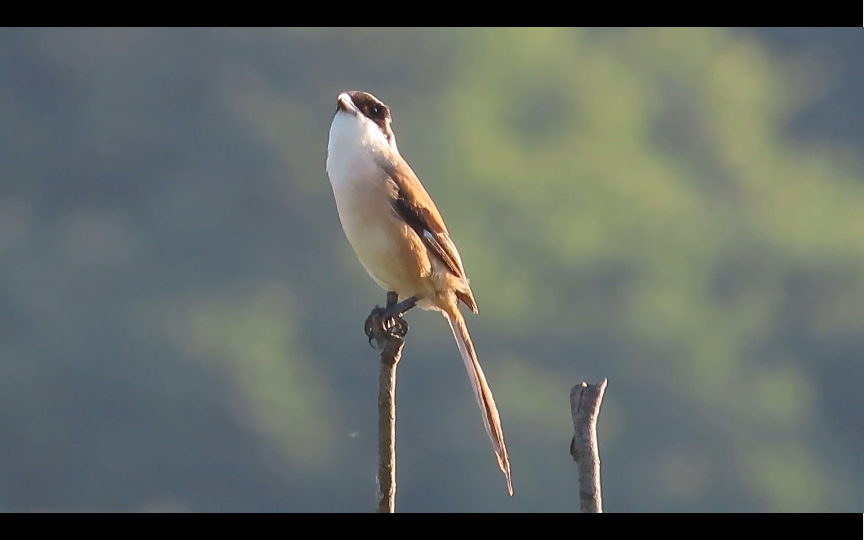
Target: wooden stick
{"x": 390, "y": 344}
{"x": 585, "y": 402}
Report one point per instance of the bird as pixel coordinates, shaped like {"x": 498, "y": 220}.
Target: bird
{"x": 399, "y": 236}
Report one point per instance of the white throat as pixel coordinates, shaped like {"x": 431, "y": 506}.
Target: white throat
{"x": 356, "y": 144}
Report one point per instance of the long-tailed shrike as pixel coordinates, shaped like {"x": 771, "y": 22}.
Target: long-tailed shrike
{"x": 399, "y": 235}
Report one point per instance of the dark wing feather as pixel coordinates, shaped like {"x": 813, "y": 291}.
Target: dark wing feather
{"x": 434, "y": 237}
{"x": 416, "y": 208}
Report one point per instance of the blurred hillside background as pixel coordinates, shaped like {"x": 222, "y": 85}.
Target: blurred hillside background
{"x": 679, "y": 210}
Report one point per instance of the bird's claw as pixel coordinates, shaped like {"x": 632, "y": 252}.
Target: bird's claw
{"x": 385, "y": 320}
{"x": 373, "y": 320}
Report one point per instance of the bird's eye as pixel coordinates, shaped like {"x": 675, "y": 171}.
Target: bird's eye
{"x": 375, "y": 110}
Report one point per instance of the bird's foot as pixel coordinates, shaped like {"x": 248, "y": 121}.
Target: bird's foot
{"x": 388, "y": 320}
{"x": 381, "y": 321}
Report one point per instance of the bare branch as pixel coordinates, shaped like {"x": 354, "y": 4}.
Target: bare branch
{"x": 390, "y": 344}
{"x": 585, "y": 402}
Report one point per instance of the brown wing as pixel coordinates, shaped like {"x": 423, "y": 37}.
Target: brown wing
{"x": 416, "y": 208}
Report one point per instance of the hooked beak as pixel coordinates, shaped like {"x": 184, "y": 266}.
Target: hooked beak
{"x": 346, "y": 104}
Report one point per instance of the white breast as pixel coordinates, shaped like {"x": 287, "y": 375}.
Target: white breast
{"x": 352, "y": 154}
{"x": 361, "y": 191}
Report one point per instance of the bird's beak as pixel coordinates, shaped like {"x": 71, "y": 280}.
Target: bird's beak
{"x": 345, "y": 103}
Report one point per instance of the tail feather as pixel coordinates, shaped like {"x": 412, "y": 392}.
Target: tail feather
{"x": 481, "y": 390}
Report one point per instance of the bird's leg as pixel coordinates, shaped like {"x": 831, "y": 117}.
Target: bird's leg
{"x": 389, "y": 318}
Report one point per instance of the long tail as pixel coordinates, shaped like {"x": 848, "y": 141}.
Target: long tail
{"x": 481, "y": 390}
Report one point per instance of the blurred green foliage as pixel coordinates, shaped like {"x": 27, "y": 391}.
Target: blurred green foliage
{"x": 181, "y": 314}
